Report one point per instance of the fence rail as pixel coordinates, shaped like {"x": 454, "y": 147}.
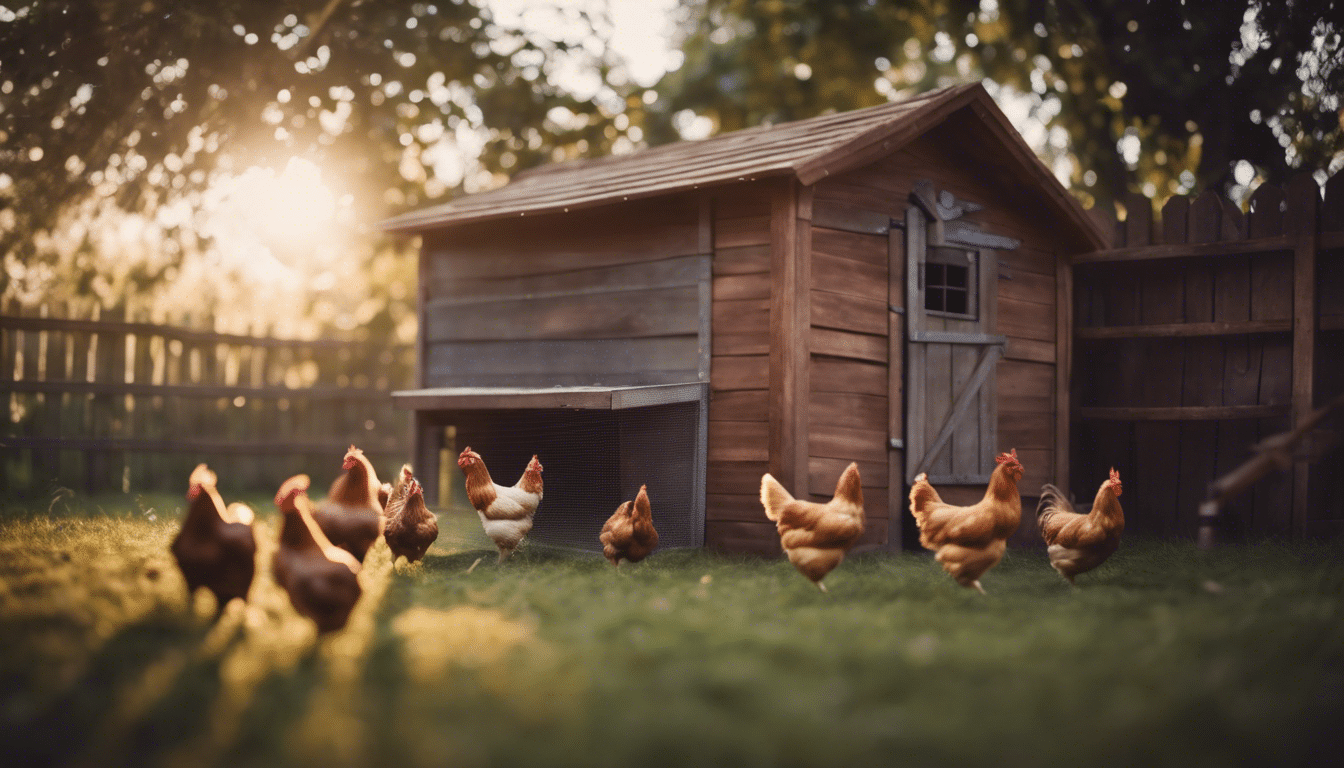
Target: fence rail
{"x": 1200, "y": 334}
{"x": 107, "y": 403}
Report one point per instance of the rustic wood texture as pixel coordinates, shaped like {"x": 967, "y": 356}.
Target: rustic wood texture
{"x": 739, "y": 406}
{"x": 1221, "y": 327}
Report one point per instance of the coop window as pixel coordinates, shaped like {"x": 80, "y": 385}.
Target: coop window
{"x": 949, "y": 281}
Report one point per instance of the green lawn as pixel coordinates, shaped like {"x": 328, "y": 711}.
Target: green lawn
{"x": 1165, "y": 655}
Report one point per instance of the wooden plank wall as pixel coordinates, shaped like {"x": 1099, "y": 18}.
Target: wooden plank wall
{"x": 1026, "y": 376}
{"x": 1185, "y": 357}
{"x": 847, "y": 398}
{"x": 101, "y": 401}
{"x": 593, "y": 298}
{"x": 739, "y": 425}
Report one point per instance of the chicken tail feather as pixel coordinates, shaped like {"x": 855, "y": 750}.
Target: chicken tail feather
{"x": 922, "y": 498}
{"x": 1052, "y": 501}
{"x": 773, "y": 496}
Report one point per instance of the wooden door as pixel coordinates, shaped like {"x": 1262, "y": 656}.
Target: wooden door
{"x": 951, "y": 277}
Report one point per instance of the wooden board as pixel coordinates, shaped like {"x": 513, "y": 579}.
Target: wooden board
{"x": 836, "y": 374}
{"x": 856, "y": 346}
{"x": 742, "y": 260}
{"x": 836, "y": 274}
{"x": 745, "y": 286}
{"x": 737, "y": 233}
{"x": 823, "y": 473}
{"x": 738, "y": 405}
{"x": 855, "y": 443}
{"x": 745, "y": 372}
{"x": 731, "y": 536}
{"x": 847, "y": 409}
{"x": 734, "y": 477}
{"x": 596, "y": 361}
{"x": 1026, "y": 319}
{"x": 727, "y": 343}
{"x": 745, "y": 507}
{"x": 738, "y": 441}
{"x": 614, "y": 315}
{"x": 847, "y": 312}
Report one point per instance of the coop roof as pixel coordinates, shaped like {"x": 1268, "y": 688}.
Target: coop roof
{"x": 807, "y": 149}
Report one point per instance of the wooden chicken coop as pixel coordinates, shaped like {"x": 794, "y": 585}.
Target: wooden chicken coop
{"x": 886, "y": 286}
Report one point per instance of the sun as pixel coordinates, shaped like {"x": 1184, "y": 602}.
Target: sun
{"x": 294, "y": 205}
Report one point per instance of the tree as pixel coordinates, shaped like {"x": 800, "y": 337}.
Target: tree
{"x": 137, "y": 106}
{"x": 1161, "y": 96}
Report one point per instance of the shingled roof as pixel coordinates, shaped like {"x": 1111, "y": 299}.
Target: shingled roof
{"x": 807, "y": 149}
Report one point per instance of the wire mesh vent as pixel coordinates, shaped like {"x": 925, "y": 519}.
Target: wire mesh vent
{"x": 592, "y": 461}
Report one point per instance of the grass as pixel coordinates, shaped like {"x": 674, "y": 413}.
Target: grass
{"x": 1164, "y": 656}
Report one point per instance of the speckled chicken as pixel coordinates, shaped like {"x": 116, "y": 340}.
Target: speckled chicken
{"x": 968, "y": 541}
{"x": 1078, "y": 543}
{"x": 410, "y": 527}
{"x": 322, "y": 580}
{"x": 629, "y": 533}
{"x": 816, "y": 536}
{"x": 351, "y": 515}
{"x": 216, "y": 548}
{"x": 506, "y": 511}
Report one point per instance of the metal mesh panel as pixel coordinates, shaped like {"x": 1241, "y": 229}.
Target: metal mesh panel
{"x": 593, "y": 460}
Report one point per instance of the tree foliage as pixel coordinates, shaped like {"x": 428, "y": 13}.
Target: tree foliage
{"x": 1160, "y": 96}
{"x": 138, "y": 104}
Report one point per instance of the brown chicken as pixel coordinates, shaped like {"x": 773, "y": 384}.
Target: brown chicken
{"x": 1078, "y": 543}
{"x": 215, "y": 548}
{"x": 410, "y": 527}
{"x": 351, "y": 515}
{"x": 506, "y": 511}
{"x": 816, "y": 536}
{"x": 320, "y": 578}
{"x": 629, "y": 533}
{"x": 968, "y": 541}
{"x": 387, "y": 491}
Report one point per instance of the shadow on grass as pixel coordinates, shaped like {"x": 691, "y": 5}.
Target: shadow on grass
{"x": 385, "y": 675}
{"x": 279, "y": 702}
{"x": 59, "y": 731}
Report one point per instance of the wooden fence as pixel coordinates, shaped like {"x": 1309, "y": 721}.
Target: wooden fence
{"x": 103, "y": 403}
{"x": 1201, "y": 333}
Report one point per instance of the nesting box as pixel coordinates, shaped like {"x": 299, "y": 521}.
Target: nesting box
{"x": 888, "y": 286}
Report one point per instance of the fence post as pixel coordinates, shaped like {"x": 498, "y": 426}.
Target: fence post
{"x": 1303, "y": 203}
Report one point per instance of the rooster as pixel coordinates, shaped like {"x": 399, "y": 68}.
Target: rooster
{"x": 816, "y": 536}
{"x": 506, "y": 512}
{"x": 320, "y": 578}
{"x": 351, "y": 516}
{"x": 629, "y": 533}
{"x": 968, "y": 541}
{"x": 410, "y": 527}
{"x": 1078, "y": 543}
{"x": 215, "y": 548}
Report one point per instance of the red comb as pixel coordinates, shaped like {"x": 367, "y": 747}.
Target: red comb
{"x": 294, "y": 485}
{"x": 1004, "y": 458}
{"x": 1115, "y": 476}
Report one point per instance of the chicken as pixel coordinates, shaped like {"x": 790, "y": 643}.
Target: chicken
{"x": 410, "y": 527}
{"x": 387, "y": 491}
{"x": 629, "y": 533}
{"x": 816, "y": 536}
{"x": 351, "y": 515}
{"x": 322, "y": 579}
{"x": 968, "y": 541}
{"x": 1078, "y": 543}
{"x": 216, "y": 548}
{"x": 506, "y": 512}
